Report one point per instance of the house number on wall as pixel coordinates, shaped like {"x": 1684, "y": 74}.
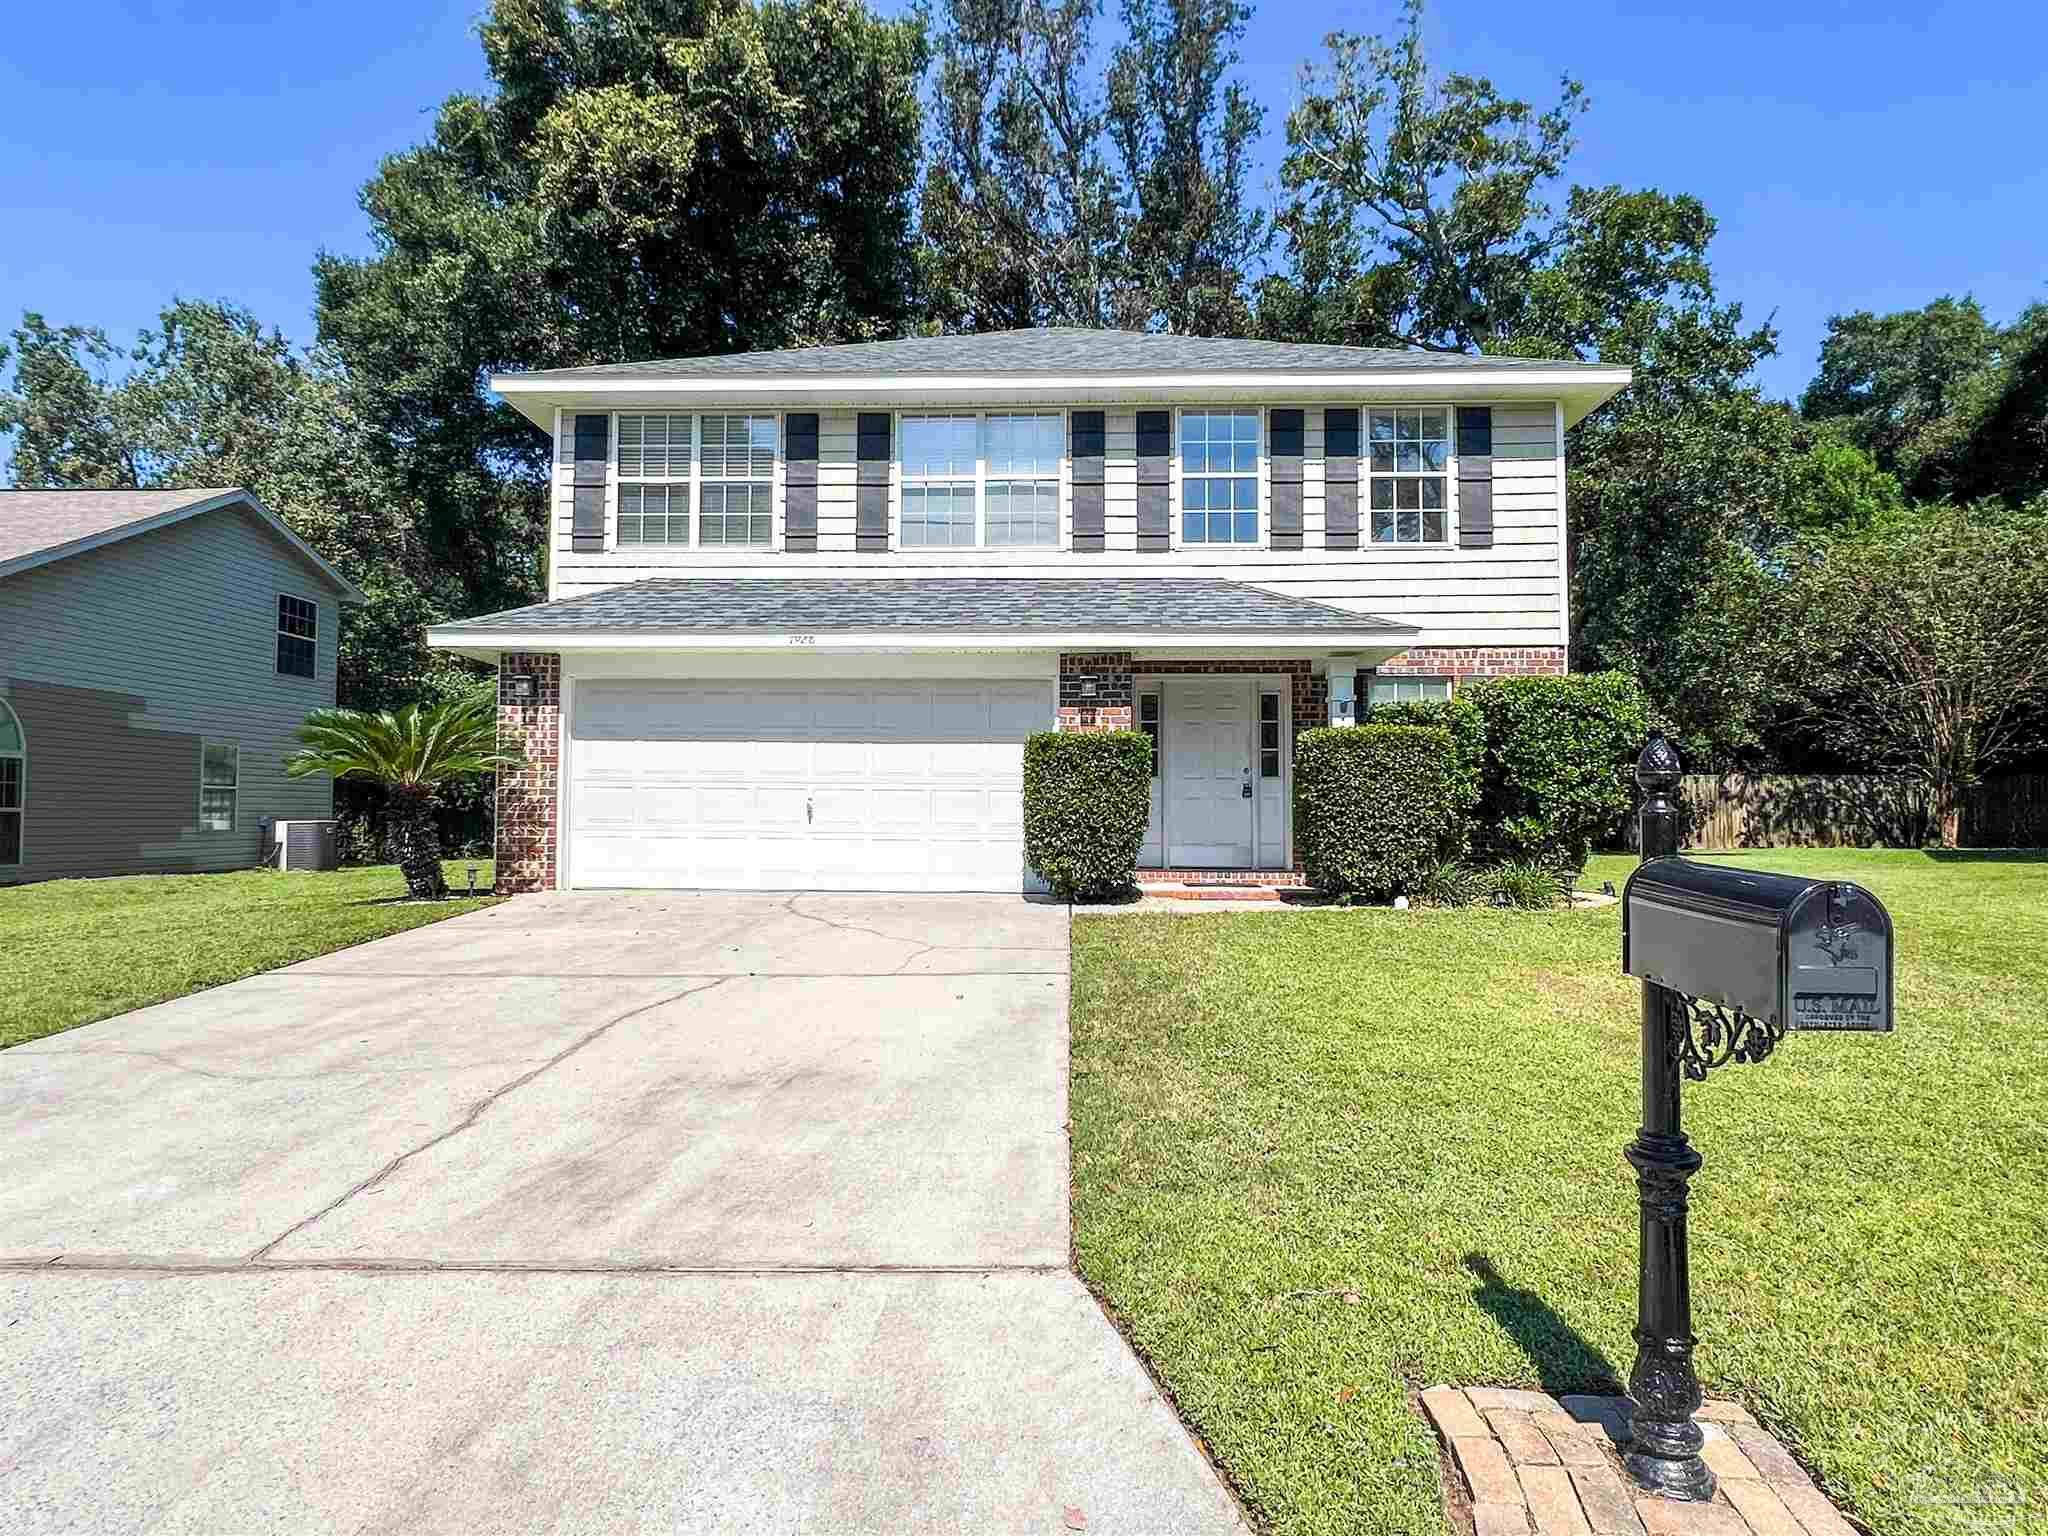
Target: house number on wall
{"x": 803, "y": 639}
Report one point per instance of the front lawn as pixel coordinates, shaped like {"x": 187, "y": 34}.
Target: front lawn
{"x": 1322, "y": 1157}
{"x": 72, "y": 951}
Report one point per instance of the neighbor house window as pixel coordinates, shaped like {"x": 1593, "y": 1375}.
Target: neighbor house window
{"x": 736, "y": 472}
{"x": 939, "y": 473}
{"x": 1148, "y": 722}
{"x": 1409, "y": 471}
{"x": 1219, "y": 477}
{"x": 654, "y": 479}
{"x": 13, "y": 785}
{"x": 220, "y": 768}
{"x": 298, "y": 630}
{"x": 1023, "y": 467}
{"x": 1269, "y": 735}
{"x": 1407, "y": 690}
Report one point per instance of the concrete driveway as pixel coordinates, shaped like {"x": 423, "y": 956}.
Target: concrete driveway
{"x": 581, "y": 1213}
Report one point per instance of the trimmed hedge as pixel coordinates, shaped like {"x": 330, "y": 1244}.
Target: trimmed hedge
{"x": 1375, "y": 806}
{"x": 1555, "y": 775}
{"x": 1087, "y": 797}
{"x": 1461, "y": 717}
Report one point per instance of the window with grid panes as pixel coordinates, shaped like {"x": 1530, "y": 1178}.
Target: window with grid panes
{"x": 654, "y": 479}
{"x": 1023, "y": 478}
{"x": 298, "y": 629}
{"x": 940, "y": 455}
{"x": 736, "y": 480}
{"x": 1406, "y": 690}
{"x": 220, "y": 773}
{"x": 1219, "y": 477}
{"x": 1409, "y": 472}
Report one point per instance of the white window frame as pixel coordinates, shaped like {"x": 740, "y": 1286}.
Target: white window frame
{"x": 234, "y": 789}
{"x": 1260, "y": 489}
{"x": 19, "y": 812}
{"x": 1059, "y": 477}
{"x": 1366, "y": 476}
{"x": 1374, "y": 679}
{"x": 279, "y": 632}
{"x": 699, "y": 480}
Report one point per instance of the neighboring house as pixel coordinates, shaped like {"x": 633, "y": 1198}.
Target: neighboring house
{"x": 804, "y": 606}
{"x": 157, "y": 651}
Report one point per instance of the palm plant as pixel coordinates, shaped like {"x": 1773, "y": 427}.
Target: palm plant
{"x": 412, "y": 752}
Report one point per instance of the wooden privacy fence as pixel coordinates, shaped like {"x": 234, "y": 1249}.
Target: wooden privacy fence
{"x": 1853, "y": 810}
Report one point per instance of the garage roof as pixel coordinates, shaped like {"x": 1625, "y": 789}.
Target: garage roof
{"x": 963, "y": 604}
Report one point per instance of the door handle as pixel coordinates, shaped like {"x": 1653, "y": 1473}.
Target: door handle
{"x": 807, "y": 810}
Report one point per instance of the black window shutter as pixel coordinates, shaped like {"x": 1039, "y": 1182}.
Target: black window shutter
{"x": 800, "y": 483}
{"x": 1340, "y": 477}
{"x": 1284, "y": 454}
{"x": 1155, "y": 481}
{"x": 1475, "y": 477}
{"x": 1086, "y": 449}
{"x": 871, "y": 490}
{"x": 593, "y": 460}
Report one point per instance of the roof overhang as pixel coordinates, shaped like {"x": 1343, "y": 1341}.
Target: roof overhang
{"x": 1578, "y": 389}
{"x": 1379, "y": 642}
{"x": 350, "y": 592}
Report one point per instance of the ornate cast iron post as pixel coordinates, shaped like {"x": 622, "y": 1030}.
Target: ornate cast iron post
{"x": 1664, "y": 1456}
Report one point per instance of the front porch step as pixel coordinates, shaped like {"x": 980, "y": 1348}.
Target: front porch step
{"x": 1206, "y": 877}
{"x": 1211, "y": 892}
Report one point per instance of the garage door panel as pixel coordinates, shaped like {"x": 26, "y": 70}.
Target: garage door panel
{"x": 840, "y": 787}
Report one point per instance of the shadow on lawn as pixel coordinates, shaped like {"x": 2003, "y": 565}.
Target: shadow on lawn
{"x": 1564, "y": 1360}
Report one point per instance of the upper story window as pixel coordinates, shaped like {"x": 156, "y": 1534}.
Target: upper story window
{"x": 722, "y": 466}
{"x": 1219, "y": 477}
{"x": 13, "y": 785}
{"x": 298, "y": 631}
{"x": 940, "y": 467}
{"x": 1023, "y": 455}
{"x": 1409, "y": 471}
{"x": 737, "y": 469}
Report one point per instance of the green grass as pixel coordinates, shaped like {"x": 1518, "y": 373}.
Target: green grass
{"x": 1322, "y": 1157}
{"x": 72, "y": 951}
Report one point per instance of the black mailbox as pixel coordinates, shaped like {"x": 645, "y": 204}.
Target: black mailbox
{"x": 1793, "y": 952}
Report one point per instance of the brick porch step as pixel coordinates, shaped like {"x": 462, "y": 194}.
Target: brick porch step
{"x": 1211, "y": 892}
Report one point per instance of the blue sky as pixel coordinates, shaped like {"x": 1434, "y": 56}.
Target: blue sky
{"x": 1857, "y": 155}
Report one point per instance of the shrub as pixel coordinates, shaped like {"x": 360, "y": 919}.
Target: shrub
{"x": 1524, "y": 885}
{"x": 1461, "y": 717}
{"x": 1451, "y": 883}
{"x": 1087, "y": 796}
{"x": 1375, "y": 806}
{"x": 1555, "y": 774}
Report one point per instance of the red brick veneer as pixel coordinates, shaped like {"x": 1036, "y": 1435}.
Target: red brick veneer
{"x": 527, "y": 796}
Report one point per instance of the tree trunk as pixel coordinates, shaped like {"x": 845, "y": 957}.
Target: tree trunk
{"x": 1948, "y": 814}
{"x": 418, "y": 842}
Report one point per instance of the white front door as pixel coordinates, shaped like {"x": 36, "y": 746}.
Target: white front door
{"x": 1209, "y": 771}
{"x": 908, "y": 786}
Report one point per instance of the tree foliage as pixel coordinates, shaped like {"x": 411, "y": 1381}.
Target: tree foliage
{"x": 1922, "y": 645}
{"x": 210, "y": 398}
{"x": 646, "y": 178}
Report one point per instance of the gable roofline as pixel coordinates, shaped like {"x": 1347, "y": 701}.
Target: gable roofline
{"x": 203, "y": 501}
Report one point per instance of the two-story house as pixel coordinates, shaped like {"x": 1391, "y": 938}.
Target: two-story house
{"x": 805, "y": 606}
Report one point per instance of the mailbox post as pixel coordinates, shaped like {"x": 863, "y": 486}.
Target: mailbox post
{"x": 1730, "y": 960}
{"x": 1664, "y": 1452}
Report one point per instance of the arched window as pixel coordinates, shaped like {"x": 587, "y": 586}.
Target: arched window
{"x": 13, "y": 785}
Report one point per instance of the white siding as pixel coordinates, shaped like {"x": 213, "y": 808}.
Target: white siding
{"x": 1511, "y": 594}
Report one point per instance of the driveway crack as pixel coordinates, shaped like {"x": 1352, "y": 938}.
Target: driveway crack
{"x": 476, "y": 1112}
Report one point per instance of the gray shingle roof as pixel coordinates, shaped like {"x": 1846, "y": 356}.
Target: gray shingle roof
{"x": 1053, "y": 350}
{"x": 1148, "y": 603}
{"x": 33, "y": 521}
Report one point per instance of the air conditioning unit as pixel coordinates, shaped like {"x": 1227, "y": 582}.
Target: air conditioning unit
{"x": 302, "y": 845}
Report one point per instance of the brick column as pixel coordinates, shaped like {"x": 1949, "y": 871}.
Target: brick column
{"x": 1096, "y": 692}
{"x": 527, "y": 796}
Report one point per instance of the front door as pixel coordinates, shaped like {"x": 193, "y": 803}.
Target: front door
{"x": 1209, "y": 772}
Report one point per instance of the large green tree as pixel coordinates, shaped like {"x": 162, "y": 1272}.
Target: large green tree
{"x": 209, "y": 397}
{"x": 644, "y": 178}
{"x": 1430, "y": 209}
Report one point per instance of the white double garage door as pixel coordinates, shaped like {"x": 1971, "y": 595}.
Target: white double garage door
{"x": 872, "y": 786}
